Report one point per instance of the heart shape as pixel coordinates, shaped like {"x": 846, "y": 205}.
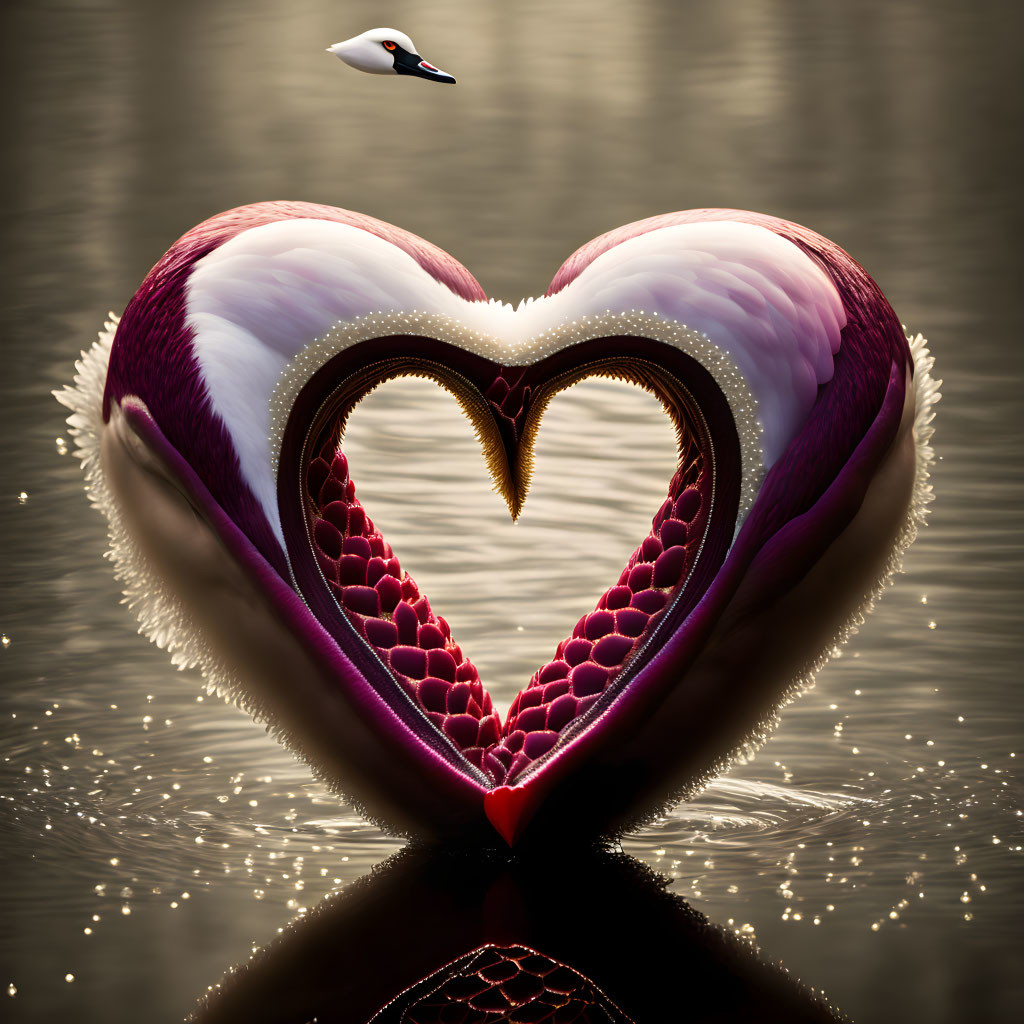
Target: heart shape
{"x": 364, "y": 578}
{"x": 506, "y": 808}
{"x": 216, "y": 450}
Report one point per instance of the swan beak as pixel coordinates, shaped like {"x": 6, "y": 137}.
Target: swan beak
{"x": 414, "y": 64}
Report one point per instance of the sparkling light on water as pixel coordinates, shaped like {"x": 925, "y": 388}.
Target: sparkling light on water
{"x": 884, "y": 869}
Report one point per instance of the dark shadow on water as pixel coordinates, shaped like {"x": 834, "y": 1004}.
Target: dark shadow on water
{"x": 440, "y": 936}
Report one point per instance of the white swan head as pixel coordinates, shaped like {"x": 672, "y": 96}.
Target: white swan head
{"x": 386, "y": 51}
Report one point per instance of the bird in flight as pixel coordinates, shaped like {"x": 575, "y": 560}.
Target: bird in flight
{"x": 386, "y": 51}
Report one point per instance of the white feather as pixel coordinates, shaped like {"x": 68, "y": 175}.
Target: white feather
{"x": 260, "y": 299}
{"x": 366, "y": 52}
{"x": 754, "y": 294}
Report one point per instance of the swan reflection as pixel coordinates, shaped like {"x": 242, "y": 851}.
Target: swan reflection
{"x": 437, "y": 936}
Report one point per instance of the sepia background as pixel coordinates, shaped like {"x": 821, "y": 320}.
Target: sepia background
{"x": 151, "y": 835}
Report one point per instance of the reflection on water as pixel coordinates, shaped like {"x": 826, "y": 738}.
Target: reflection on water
{"x": 873, "y": 845}
{"x": 438, "y": 936}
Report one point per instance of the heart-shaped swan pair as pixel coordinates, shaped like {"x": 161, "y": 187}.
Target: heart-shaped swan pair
{"x": 211, "y": 428}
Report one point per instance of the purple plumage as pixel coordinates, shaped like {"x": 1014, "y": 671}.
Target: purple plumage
{"x": 216, "y": 449}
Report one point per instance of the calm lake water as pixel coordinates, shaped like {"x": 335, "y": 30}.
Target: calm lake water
{"x": 152, "y": 835}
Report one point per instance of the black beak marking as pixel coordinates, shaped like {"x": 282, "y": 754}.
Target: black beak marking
{"x": 413, "y": 64}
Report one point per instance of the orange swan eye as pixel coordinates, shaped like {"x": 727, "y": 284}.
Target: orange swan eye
{"x": 388, "y": 45}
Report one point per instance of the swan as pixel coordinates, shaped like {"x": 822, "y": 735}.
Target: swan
{"x": 386, "y": 51}
{"x": 210, "y": 420}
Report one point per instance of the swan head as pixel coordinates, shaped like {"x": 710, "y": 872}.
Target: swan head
{"x": 211, "y": 427}
{"x": 386, "y": 51}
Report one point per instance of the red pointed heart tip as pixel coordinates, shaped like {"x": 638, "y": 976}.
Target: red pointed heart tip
{"x": 505, "y": 807}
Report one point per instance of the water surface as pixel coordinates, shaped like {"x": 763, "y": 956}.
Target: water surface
{"x": 153, "y": 835}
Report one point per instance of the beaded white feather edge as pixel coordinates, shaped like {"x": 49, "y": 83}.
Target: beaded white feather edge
{"x": 638, "y": 323}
